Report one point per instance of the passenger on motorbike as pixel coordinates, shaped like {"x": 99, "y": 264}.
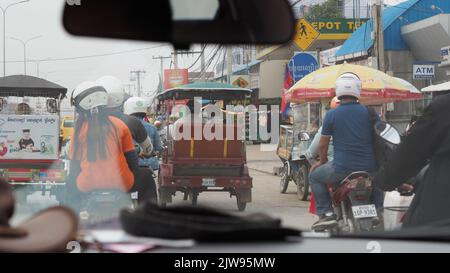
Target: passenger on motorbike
{"x": 116, "y": 98}
{"x": 136, "y": 107}
{"x": 102, "y": 152}
{"x": 350, "y": 127}
{"x": 312, "y": 154}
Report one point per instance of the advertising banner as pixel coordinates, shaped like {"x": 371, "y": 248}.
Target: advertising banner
{"x": 175, "y": 77}
{"x": 29, "y": 137}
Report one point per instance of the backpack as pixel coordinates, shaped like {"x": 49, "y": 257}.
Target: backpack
{"x": 382, "y": 148}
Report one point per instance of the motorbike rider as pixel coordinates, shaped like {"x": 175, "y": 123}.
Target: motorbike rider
{"x": 116, "y": 98}
{"x": 136, "y": 107}
{"x": 102, "y": 152}
{"x": 427, "y": 143}
{"x": 350, "y": 127}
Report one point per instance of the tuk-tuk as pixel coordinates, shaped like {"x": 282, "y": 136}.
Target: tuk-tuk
{"x": 193, "y": 165}
{"x": 29, "y": 135}
{"x": 293, "y": 145}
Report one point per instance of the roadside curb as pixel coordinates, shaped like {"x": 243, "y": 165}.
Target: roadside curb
{"x": 262, "y": 171}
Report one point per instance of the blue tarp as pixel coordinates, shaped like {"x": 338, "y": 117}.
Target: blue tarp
{"x": 361, "y": 39}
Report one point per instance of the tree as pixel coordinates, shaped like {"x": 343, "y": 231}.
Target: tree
{"x": 328, "y": 9}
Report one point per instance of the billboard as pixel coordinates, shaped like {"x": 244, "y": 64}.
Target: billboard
{"x": 175, "y": 77}
{"x": 29, "y": 137}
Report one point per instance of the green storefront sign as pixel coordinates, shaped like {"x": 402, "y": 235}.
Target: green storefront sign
{"x": 337, "y": 26}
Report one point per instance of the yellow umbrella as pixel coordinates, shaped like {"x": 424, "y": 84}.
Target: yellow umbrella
{"x": 377, "y": 87}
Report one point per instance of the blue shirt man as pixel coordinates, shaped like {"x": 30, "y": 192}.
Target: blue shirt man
{"x": 351, "y": 129}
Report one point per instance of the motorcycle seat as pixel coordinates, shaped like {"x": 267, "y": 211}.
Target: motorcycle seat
{"x": 355, "y": 175}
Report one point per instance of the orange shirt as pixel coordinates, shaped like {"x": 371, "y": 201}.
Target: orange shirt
{"x": 111, "y": 172}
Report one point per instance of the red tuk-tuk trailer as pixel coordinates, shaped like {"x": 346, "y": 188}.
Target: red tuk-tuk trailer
{"x": 192, "y": 165}
{"x": 29, "y": 135}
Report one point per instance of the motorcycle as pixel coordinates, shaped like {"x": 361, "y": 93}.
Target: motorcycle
{"x": 103, "y": 205}
{"x": 352, "y": 197}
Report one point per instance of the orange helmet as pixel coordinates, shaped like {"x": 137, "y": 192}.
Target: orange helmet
{"x": 334, "y": 103}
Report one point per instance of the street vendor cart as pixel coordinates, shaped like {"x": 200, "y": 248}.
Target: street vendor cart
{"x": 196, "y": 164}
{"x": 29, "y": 135}
{"x": 293, "y": 145}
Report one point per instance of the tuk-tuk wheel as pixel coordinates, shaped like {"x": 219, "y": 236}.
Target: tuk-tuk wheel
{"x": 193, "y": 197}
{"x": 302, "y": 179}
{"x": 241, "y": 205}
{"x": 284, "y": 181}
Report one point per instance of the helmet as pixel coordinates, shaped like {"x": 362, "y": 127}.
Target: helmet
{"x": 115, "y": 90}
{"x": 89, "y": 95}
{"x": 348, "y": 84}
{"x": 334, "y": 103}
{"x": 134, "y": 105}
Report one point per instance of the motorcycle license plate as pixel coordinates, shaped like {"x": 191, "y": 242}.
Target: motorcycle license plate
{"x": 365, "y": 211}
{"x": 208, "y": 182}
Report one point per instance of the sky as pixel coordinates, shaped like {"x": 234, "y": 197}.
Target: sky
{"x": 43, "y": 18}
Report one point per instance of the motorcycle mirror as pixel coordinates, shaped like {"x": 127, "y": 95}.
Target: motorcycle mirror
{"x": 388, "y": 132}
{"x": 303, "y": 137}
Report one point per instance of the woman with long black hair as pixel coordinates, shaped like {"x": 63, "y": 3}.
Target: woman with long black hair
{"x": 102, "y": 152}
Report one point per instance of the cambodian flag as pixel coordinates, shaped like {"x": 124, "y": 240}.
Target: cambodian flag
{"x": 285, "y": 106}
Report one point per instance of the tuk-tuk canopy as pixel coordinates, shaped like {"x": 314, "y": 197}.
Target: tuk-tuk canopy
{"x": 29, "y": 86}
{"x": 206, "y": 90}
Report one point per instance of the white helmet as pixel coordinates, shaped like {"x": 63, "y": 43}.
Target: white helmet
{"x": 114, "y": 88}
{"x": 348, "y": 84}
{"x": 88, "y": 95}
{"x": 135, "y": 105}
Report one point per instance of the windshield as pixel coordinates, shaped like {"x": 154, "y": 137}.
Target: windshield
{"x": 275, "y": 139}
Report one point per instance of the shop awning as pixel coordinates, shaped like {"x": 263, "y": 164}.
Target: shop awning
{"x": 437, "y": 88}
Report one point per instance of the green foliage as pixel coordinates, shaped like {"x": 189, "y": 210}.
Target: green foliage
{"x": 329, "y": 9}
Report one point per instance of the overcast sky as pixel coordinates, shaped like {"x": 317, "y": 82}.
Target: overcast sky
{"x": 43, "y": 17}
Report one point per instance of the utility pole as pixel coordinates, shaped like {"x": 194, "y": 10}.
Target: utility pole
{"x": 138, "y": 74}
{"x": 202, "y": 59}
{"x": 229, "y": 64}
{"x": 378, "y": 44}
{"x": 175, "y": 59}
{"x": 129, "y": 86}
{"x": 161, "y": 59}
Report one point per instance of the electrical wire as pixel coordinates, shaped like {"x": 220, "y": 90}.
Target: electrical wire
{"x": 93, "y": 56}
{"x": 199, "y": 56}
{"x": 209, "y": 63}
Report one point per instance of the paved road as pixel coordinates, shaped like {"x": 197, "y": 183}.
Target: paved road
{"x": 265, "y": 194}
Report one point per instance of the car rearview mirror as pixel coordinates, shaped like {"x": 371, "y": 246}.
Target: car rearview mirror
{"x": 183, "y": 22}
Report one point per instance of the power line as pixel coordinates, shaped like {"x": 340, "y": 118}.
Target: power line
{"x": 209, "y": 62}
{"x": 199, "y": 56}
{"x": 94, "y": 55}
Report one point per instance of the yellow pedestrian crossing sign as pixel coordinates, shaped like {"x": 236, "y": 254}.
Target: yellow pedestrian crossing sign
{"x": 305, "y": 34}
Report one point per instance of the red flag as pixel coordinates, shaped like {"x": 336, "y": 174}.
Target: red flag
{"x": 287, "y": 84}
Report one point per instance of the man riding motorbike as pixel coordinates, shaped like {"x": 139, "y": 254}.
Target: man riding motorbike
{"x": 102, "y": 152}
{"x": 136, "y": 107}
{"x": 116, "y": 98}
{"x": 350, "y": 127}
